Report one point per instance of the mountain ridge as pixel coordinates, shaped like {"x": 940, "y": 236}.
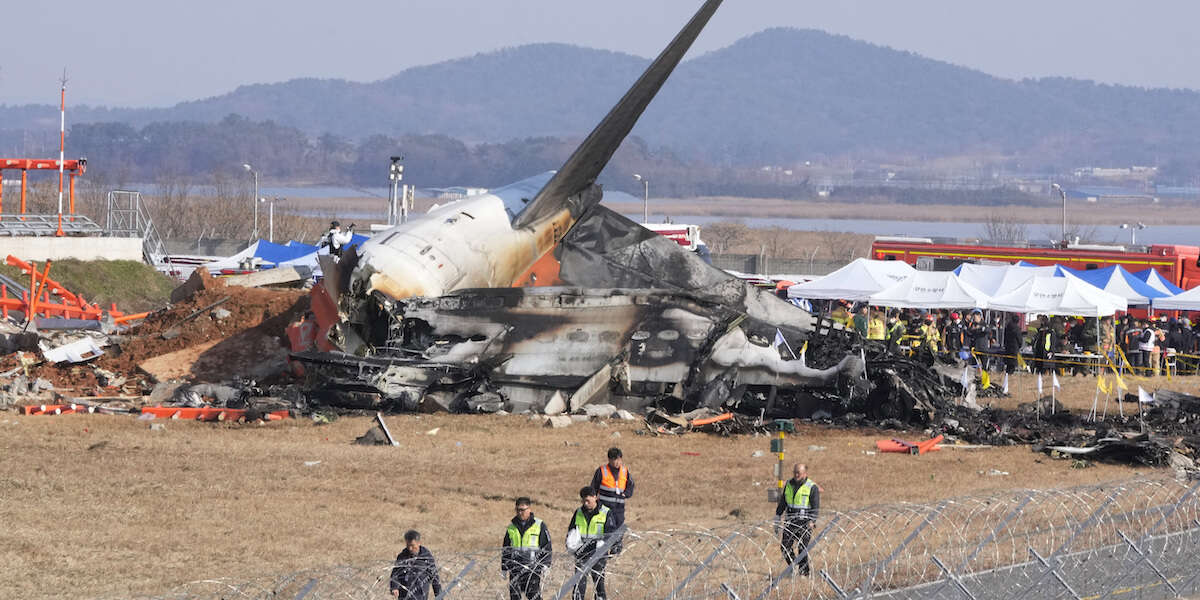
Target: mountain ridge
{"x": 775, "y": 97}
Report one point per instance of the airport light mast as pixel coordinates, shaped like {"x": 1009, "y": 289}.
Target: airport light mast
{"x": 254, "y": 200}
{"x": 1133, "y": 228}
{"x": 1063, "y": 193}
{"x": 645, "y": 197}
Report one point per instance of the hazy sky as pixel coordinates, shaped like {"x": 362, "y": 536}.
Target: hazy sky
{"x": 159, "y": 52}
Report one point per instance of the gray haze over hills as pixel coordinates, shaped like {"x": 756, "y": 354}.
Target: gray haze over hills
{"x": 154, "y": 53}
{"x": 776, "y": 97}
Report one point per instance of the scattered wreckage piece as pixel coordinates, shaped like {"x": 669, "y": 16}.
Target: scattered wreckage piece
{"x": 79, "y": 351}
{"x": 211, "y": 413}
{"x": 177, "y": 330}
{"x": 905, "y": 447}
{"x": 703, "y": 420}
{"x": 285, "y": 275}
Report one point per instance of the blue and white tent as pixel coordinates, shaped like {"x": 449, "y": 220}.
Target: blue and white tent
{"x": 1116, "y": 280}
{"x": 273, "y": 255}
{"x": 1155, "y": 280}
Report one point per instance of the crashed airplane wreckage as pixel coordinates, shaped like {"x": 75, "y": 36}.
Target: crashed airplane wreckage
{"x": 535, "y": 297}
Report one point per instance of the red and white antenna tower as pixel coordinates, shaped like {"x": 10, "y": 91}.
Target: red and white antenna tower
{"x": 62, "y": 143}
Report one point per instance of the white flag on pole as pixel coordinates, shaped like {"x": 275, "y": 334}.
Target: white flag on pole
{"x": 1039, "y": 385}
{"x": 1054, "y": 380}
{"x": 1006, "y": 384}
{"x": 1144, "y": 397}
{"x": 965, "y": 380}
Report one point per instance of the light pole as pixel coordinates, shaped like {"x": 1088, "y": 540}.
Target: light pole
{"x": 645, "y": 197}
{"x": 1133, "y": 231}
{"x": 255, "y": 199}
{"x": 271, "y": 216}
{"x": 1062, "y": 193}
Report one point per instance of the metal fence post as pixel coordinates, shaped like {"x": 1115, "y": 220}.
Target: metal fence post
{"x": 454, "y": 582}
{"x": 995, "y": 532}
{"x": 1140, "y": 555}
{"x": 307, "y": 588}
{"x": 587, "y": 566}
{"x": 952, "y": 577}
{"x": 864, "y": 586}
{"x": 803, "y": 554}
{"x": 702, "y": 565}
{"x": 1088, "y": 523}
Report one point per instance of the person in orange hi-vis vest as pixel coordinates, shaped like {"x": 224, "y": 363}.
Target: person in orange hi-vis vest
{"x": 614, "y": 486}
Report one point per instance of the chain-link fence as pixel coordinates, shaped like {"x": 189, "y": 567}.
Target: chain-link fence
{"x": 1134, "y": 539}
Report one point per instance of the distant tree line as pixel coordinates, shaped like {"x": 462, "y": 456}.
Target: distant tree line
{"x": 200, "y": 153}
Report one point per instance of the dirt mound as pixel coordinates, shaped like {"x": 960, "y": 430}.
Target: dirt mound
{"x": 233, "y": 344}
{"x": 212, "y": 333}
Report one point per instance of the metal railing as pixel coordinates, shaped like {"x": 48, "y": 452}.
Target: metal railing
{"x": 1133, "y": 539}
{"x": 47, "y": 225}
{"x": 125, "y": 217}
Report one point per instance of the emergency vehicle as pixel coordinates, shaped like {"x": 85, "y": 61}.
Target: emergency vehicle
{"x": 1178, "y": 264}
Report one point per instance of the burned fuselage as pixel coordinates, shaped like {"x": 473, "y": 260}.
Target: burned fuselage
{"x": 528, "y": 344}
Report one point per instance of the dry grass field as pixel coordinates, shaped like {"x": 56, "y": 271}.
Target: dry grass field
{"x": 104, "y": 506}
{"x": 1111, "y": 211}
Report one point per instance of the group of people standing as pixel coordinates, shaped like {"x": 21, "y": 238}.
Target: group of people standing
{"x": 996, "y": 341}
{"x": 593, "y": 535}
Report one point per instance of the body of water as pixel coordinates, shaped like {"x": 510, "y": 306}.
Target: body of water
{"x": 1160, "y": 234}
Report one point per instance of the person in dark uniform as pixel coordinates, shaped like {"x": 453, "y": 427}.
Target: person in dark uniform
{"x": 525, "y": 553}
{"x": 1013, "y": 336}
{"x": 590, "y": 521}
{"x": 1044, "y": 344}
{"x": 613, "y": 485}
{"x": 795, "y": 515}
{"x": 415, "y": 571}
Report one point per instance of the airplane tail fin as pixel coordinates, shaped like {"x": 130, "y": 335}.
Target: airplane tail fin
{"x": 584, "y": 165}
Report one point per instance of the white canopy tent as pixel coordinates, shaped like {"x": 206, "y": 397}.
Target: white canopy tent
{"x": 931, "y": 290}
{"x": 1058, "y": 296}
{"x": 855, "y": 281}
{"x": 1000, "y": 279}
{"x": 1189, "y": 300}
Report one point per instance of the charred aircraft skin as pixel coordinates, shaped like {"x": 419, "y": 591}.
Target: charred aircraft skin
{"x": 525, "y": 344}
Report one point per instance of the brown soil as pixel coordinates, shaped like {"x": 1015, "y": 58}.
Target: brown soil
{"x": 148, "y": 511}
{"x": 236, "y": 344}
{"x": 250, "y": 343}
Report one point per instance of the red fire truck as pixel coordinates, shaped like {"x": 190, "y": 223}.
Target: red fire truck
{"x": 1178, "y": 264}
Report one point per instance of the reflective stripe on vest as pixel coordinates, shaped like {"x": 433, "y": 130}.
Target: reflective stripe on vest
{"x": 528, "y": 541}
{"x": 611, "y": 486}
{"x": 593, "y": 529}
{"x": 798, "y": 499}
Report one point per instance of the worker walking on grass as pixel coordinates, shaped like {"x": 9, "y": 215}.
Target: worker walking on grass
{"x": 795, "y": 515}
{"x": 526, "y": 553}
{"x": 415, "y": 570}
{"x": 614, "y": 485}
{"x": 586, "y": 538}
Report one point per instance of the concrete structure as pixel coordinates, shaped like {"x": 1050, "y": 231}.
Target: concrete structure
{"x": 42, "y": 248}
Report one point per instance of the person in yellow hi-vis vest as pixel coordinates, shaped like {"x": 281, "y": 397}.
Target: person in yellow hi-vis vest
{"x": 795, "y": 515}
{"x": 525, "y": 553}
{"x": 876, "y": 328}
{"x": 587, "y": 536}
{"x": 841, "y": 314}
